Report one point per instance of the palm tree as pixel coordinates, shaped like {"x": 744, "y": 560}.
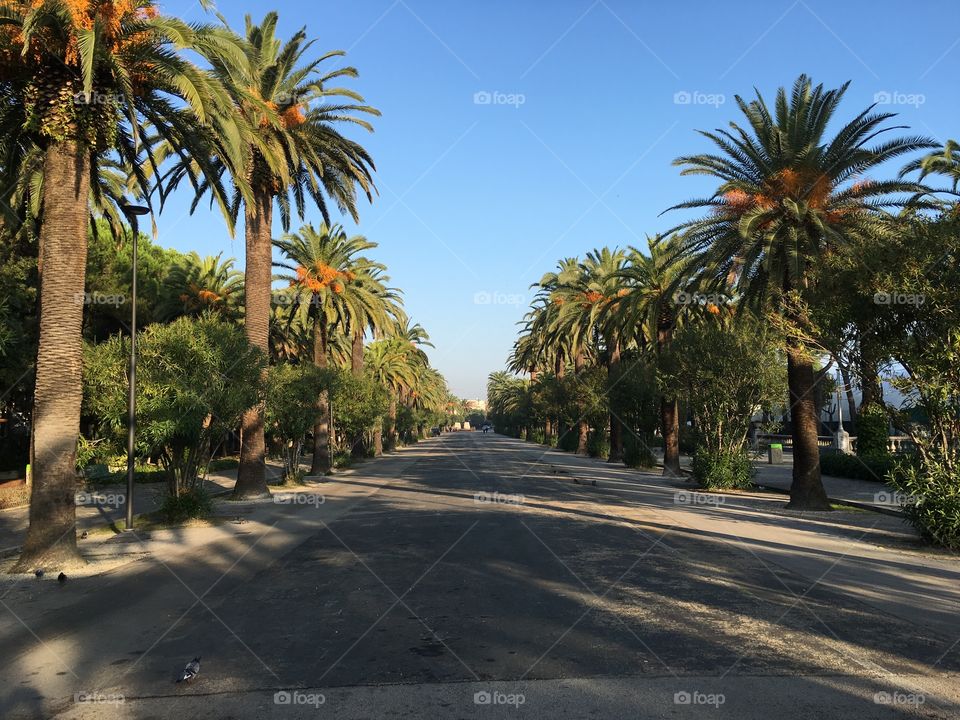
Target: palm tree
{"x": 649, "y": 308}
{"x": 198, "y": 285}
{"x": 92, "y": 75}
{"x": 393, "y": 364}
{"x": 294, "y": 155}
{"x": 600, "y": 287}
{"x": 787, "y": 194}
{"x": 946, "y": 161}
{"x": 330, "y": 289}
{"x": 567, "y": 326}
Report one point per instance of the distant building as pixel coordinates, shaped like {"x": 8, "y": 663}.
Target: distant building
{"x": 477, "y": 404}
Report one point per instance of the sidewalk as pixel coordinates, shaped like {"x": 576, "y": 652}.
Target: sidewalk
{"x": 856, "y": 493}
{"x": 106, "y": 506}
{"x": 866, "y": 494}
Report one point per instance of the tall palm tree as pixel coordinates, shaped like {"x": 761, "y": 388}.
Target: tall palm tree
{"x": 330, "y": 290}
{"x": 295, "y": 155}
{"x": 93, "y": 74}
{"x": 393, "y": 364}
{"x": 599, "y": 288}
{"x": 788, "y": 193}
{"x": 650, "y": 310}
{"x": 565, "y": 325}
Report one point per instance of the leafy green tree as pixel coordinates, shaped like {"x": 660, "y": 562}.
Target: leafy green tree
{"x": 730, "y": 368}
{"x": 788, "y": 194}
{"x": 291, "y": 410}
{"x": 195, "y": 378}
{"x": 361, "y": 403}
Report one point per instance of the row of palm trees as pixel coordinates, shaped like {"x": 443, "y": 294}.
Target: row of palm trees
{"x": 788, "y": 192}
{"x": 103, "y": 101}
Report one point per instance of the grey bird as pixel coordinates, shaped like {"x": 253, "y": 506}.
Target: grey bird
{"x": 190, "y": 671}
{"x": 39, "y": 574}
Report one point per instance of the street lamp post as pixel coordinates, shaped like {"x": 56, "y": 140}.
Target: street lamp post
{"x": 132, "y": 213}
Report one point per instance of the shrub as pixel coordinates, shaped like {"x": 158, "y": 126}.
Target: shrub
{"x": 568, "y": 441}
{"x": 598, "y": 446}
{"x": 857, "y": 467}
{"x": 194, "y": 503}
{"x": 292, "y": 410}
{"x": 537, "y": 436}
{"x": 934, "y": 507}
{"x": 722, "y": 470}
{"x": 195, "y": 379}
{"x": 636, "y": 452}
{"x": 872, "y": 433}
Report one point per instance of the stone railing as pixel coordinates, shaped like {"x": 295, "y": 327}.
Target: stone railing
{"x": 896, "y": 444}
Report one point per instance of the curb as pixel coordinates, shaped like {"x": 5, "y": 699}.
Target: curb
{"x": 841, "y": 501}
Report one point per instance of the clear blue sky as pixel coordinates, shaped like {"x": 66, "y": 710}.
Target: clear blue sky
{"x": 478, "y": 200}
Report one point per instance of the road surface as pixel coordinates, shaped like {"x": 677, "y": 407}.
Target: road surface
{"x": 474, "y": 576}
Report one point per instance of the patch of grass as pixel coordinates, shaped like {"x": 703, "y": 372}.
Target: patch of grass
{"x": 14, "y": 496}
{"x": 848, "y": 508}
{"x": 194, "y": 504}
{"x": 227, "y": 463}
{"x": 144, "y": 474}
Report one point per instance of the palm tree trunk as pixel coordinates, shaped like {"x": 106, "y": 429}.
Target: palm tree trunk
{"x": 392, "y": 424}
{"x": 806, "y": 490}
{"x": 670, "y": 427}
{"x": 669, "y": 411}
{"x": 252, "y": 474}
{"x": 583, "y": 428}
{"x": 378, "y": 440}
{"x": 321, "y": 430}
{"x": 51, "y": 537}
{"x": 356, "y": 354}
{"x": 616, "y": 429}
{"x": 358, "y": 445}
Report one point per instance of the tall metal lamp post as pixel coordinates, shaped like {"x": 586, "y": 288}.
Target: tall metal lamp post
{"x": 132, "y": 213}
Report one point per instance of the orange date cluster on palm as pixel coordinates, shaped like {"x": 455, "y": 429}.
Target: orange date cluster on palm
{"x": 321, "y": 276}
{"x": 108, "y": 15}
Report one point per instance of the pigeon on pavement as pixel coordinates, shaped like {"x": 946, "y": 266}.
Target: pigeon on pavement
{"x": 39, "y": 574}
{"x": 190, "y": 671}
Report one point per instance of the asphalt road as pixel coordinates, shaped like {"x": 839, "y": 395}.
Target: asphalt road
{"x": 472, "y": 576}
